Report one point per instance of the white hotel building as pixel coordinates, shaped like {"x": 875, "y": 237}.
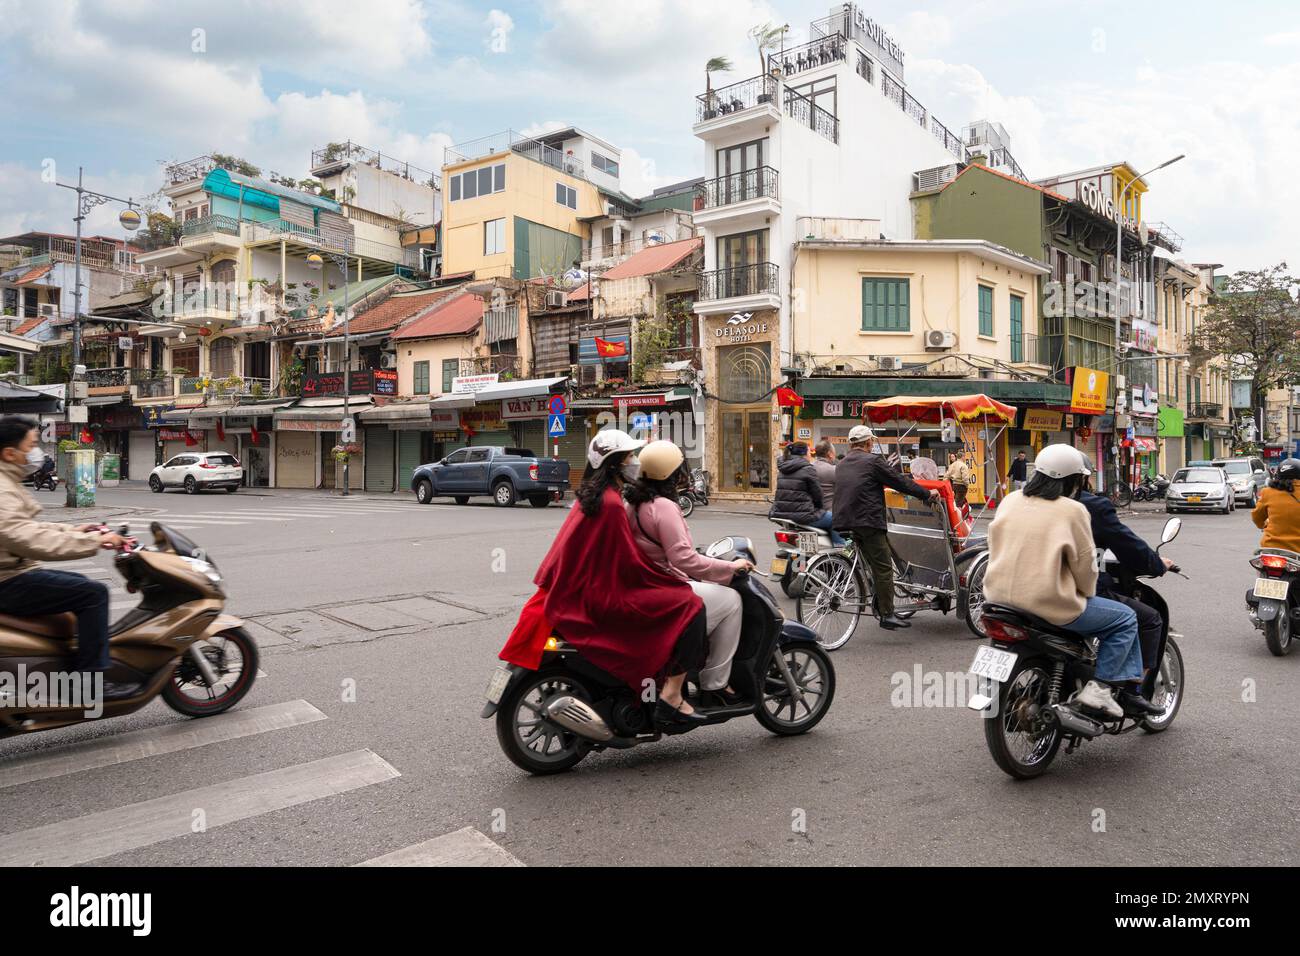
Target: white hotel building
{"x": 823, "y": 144}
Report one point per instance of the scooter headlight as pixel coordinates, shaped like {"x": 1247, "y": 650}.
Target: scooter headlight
{"x": 205, "y": 568}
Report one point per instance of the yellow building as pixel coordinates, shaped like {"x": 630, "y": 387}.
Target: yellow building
{"x": 515, "y": 206}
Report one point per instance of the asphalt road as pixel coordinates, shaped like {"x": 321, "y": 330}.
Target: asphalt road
{"x": 384, "y": 618}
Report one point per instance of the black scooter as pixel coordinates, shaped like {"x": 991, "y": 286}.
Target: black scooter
{"x": 1030, "y": 667}
{"x": 549, "y": 719}
{"x": 44, "y": 478}
{"x": 1274, "y": 600}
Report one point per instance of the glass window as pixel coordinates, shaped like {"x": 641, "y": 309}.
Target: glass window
{"x": 885, "y": 305}
{"x": 566, "y": 196}
{"x": 986, "y": 310}
{"x": 222, "y": 459}
{"x": 746, "y": 372}
{"x": 485, "y": 181}
{"x": 458, "y": 456}
{"x": 499, "y": 177}
{"x": 469, "y": 182}
{"x": 1017, "y": 328}
{"x": 455, "y": 187}
{"x": 604, "y": 164}
{"x": 221, "y": 359}
{"x": 479, "y": 454}
{"x": 494, "y": 237}
{"x": 420, "y": 372}
{"x": 449, "y": 369}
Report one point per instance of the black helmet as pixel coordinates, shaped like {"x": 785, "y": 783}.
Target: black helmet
{"x": 1288, "y": 470}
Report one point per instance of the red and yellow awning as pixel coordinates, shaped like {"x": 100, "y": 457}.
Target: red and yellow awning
{"x": 925, "y": 410}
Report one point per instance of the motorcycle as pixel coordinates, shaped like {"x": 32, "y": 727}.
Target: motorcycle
{"x": 44, "y": 478}
{"x": 1029, "y": 664}
{"x": 1151, "y": 489}
{"x": 176, "y": 644}
{"x": 1273, "y": 602}
{"x": 696, "y": 489}
{"x": 796, "y": 545}
{"x": 549, "y": 719}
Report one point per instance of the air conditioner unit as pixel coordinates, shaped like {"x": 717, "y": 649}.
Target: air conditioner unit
{"x": 388, "y": 360}
{"x": 889, "y": 363}
{"x": 937, "y": 340}
{"x": 48, "y": 311}
{"x": 555, "y": 299}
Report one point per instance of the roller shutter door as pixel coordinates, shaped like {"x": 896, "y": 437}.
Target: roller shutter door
{"x": 408, "y": 458}
{"x": 142, "y": 449}
{"x": 174, "y": 447}
{"x": 503, "y": 439}
{"x": 380, "y": 451}
{"x": 573, "y": 448}
{"x": 295, "y": 459}
{"x": 532, "y": 434}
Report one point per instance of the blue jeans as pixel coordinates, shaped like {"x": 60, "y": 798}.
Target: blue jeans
{"x": 1119, "y": 655}
{"x": 824, "y": 522}
{"x": 41, "y": 592}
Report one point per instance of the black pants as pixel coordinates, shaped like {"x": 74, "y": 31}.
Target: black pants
{"x": 873, "y": 545}
{"x": 43, "y": 592}
{"x": 1150, "y": 626}
{"x": 691, "y": 648}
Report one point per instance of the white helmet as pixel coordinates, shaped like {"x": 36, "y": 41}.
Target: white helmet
{"x": 610, "y": 441}
{"x": 1059, "y": 461}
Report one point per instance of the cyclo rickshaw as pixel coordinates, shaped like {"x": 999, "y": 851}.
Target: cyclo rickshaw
{"x": 939, "y": 557}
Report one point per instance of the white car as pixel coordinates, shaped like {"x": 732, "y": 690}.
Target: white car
{"x": 197, "y": 471}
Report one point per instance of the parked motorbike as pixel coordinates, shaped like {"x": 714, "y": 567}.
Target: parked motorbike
{"x": 549, "y": 719}
{"x": 44, "y": 478}
{"x": 1151, "y": 489}
{"x": 1030, "y": 668}
{"x": 176, "y": 644}
{"x": 1273, "y": 601}
{"x": 695, "y": 490}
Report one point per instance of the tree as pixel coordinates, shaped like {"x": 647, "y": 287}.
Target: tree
{"x": 717, "y": 64}
{"x": 1254, "y": 322}
{"x": 767, "y": 37}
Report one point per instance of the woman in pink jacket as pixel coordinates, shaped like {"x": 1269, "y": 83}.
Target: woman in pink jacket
{"x": 660, "y": 532}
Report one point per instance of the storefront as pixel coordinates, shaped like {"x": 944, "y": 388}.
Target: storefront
{"x": 743, "y": 420}
{"x": 305, "y": 435}
{"x": 418, "y": 435}
{"x": 1170, "y": 431}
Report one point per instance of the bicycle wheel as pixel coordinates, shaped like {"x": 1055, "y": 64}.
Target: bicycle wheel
{"x": 1122, "y": 494}
{"x": 835, "y": 594}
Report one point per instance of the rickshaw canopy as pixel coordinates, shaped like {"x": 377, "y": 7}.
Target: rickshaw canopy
{"x": 932, "y": 411}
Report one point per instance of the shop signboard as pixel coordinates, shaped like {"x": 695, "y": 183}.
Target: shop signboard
{"x": 517, "y": 409}
{"x": 1088, "y": 391}
{"x": 1042, "y": 420}
{"x": 1144, "y": 427}
{"x": 375, "y": 381}
{"x": 152, "y": 415}
{"x": 309, "y": 425}
{"x": 833, "y": 409}
{"x": 469, "y": 384}
{"x": 1145, "y": 400}
{"x": 482, "y": 418}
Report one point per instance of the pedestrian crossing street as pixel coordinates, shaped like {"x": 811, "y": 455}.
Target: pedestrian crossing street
{"x": 94, "y": 836}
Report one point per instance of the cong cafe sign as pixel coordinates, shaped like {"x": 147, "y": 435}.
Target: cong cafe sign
{"x": 741, "y": 327}
{"x": 1091, "y": 196}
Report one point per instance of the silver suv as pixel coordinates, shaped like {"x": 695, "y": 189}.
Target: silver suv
{"x": 1247, "y": 476}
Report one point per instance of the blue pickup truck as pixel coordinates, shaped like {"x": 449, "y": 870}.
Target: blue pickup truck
{"x": 507, "y": 474}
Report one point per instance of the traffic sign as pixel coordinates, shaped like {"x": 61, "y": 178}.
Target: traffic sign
{"x": 556, "y": 427}
{"x": 557, "y": 405}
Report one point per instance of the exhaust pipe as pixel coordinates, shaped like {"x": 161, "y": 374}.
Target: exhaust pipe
{"x": 577, "y": 716}
{"x": 1075, "y": 723}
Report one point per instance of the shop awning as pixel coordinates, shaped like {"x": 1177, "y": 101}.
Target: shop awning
{"x": 1144, "y": 444}
{"x": 452, "y": 401}
{"x": 321, "y": 409}
{"x": 16, "y": 343}
{"x": 397, "y": 412}
{"x": 1013, "y": 393}
{"x": 525, "y": 388}
{"x": 104, "y": 399}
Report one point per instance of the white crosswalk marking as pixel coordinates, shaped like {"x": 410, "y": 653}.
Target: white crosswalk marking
{"x": 465, "y": 847}
{"x": 170, "y": 738}
{"x": 97, "y": 835}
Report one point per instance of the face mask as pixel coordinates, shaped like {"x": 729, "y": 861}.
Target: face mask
{"x": 35, "y": 459}
{"x": 631, "y": 469}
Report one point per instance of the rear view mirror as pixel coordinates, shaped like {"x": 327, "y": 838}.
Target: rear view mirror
{"x": 1172, "y": 527}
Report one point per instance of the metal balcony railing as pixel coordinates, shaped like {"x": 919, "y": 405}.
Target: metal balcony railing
{"x": 107, "y": 377}
{"x": 332, "y": 157}
{"x": 747, "y": 184}
{"x": 735, "y": 98}
{"x": 820, "y": 52}
{"x": 761, "y": 278}
{"x": 206, "y": 224}
{"x": 1205, "y": 410}
{"x": 1034, "y": 349}
{"x": 803, "y": 111}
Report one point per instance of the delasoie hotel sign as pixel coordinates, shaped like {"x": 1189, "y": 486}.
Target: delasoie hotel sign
{"x": 872, "y": 35}
{"x": 740, "y": 327}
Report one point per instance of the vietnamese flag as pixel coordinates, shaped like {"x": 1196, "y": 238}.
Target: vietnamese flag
{"x": 607, "y": 349}
{"x": 221, "y": 431}
{"x": 788, "y": 398}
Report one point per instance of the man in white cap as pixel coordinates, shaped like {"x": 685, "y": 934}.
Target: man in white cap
{"x": 859, "y": 512}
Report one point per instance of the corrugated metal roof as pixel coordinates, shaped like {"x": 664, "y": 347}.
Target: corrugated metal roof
{"x": 653, "y": 259}
{"x": 459, "y": 315}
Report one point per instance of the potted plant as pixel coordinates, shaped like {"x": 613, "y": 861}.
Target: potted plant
{"x": 717, "y": 64}
{"x": 343, "y": 452}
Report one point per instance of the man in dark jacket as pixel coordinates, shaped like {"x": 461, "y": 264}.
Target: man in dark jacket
{"x": 799, "y": 493}
{"x": 1109, "y": 533}
{"x": 859, "y": 509}
{"x": 1019, "y": 472}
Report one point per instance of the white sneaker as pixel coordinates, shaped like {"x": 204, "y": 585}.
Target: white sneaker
{"x": 1097, "y": 696}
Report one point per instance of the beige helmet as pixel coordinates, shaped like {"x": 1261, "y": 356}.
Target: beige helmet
{"x": 860, "y": 435}
{"x": 659, "y": 459}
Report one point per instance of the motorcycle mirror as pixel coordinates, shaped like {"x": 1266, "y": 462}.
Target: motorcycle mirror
{"x": 1172, "y": 527}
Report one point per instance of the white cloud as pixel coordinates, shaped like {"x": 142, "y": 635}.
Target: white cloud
{"x": 500, "y": 26}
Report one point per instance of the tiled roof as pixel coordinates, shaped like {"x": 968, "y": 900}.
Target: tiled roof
{"x": 1014, "y": 179}
{"x": 654, "y": 259}
{"x": 396, "y": 309}
{"x": 32, "y": 274}
{"x": 460, "y": 315}
{"x": 579, "y": 294}
{"x": 29, "y": 324}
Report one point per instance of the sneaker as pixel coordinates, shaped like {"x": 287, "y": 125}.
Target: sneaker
{"x": 1099, "y": 697}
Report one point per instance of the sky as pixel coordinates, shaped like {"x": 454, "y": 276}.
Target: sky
{"x": 122, "y": 87}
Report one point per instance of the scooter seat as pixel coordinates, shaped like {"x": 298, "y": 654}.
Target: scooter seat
{"x": 1015, "y": 615}
{"x": 63, "y": 626}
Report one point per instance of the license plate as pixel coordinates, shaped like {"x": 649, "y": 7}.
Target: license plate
{"x": 779, "y": 565}
{"x": 1268, "y": 588}
{"x": 552, "y": 487}
{"x": 807, "y": 541}
{"x": 497, "y": 685}
{"x": 992, "y": 663}
{"x": 1193, "y": 499}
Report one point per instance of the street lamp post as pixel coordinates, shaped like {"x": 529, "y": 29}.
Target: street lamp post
{"x": 1119, "y": 230}
{"x": 87, "y": 200}
{"x": 341, "y": 259}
